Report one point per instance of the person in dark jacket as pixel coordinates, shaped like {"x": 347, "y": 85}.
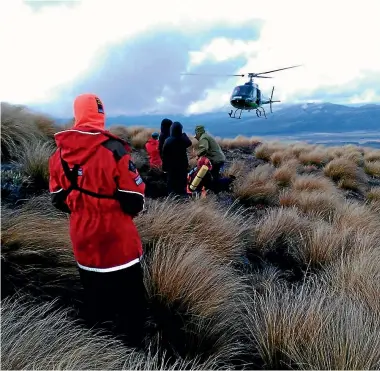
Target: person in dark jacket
{"x": 94, "y": 180}
{"x": 175, "y": 161}
{"x": 165, "y": 133}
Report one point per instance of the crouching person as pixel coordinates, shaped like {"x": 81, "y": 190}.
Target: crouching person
{"x": 198, "y": 181}
{"x": 93, "y": 178}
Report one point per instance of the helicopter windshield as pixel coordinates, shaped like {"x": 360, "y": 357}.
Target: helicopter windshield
{"x": 243, "y": 90}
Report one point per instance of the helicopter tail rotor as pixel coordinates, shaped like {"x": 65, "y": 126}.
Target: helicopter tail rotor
{"x": 272, "y": 101}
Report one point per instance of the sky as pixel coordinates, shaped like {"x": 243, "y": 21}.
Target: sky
{"x": 132, "y": 54}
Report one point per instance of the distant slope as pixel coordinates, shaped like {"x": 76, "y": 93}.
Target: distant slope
{"x": 290, "y": 120}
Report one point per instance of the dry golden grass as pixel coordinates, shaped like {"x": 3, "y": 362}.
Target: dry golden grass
{"x": 317, "y": 157}
{"x": 358, "y": 217}
{"x": 279, "y": 226}
{"x": 372, "y": 168}
{"x": 236, "y": 168}
{"x": 311, "y": 202}
{"x": 373, "y": 195}
{"x": 137, "y": 136}
{"x": 257, "y": 186}
{"x": 41, "y": 337}
{"x": 372, "y": 155}
{"x": 33, "y": 162}
{"x": 301, "y": 147}
{"x": 285, "y": 174}
{"x": 202, "y": 221}
{"x": 20, "y": 128}
{"x": 279, "y": 157}
{"x": 357, "y": 274}
{"x": 265, "y": 151}
{"x": 327, "y": 318}
{"x": 340, "y": 168}
{"x": 238, "y": 142}
{"x": 313, "y": 183}
{"x": 309, "y": 327}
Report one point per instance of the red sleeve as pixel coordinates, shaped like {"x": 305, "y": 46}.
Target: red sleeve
{"x": 57, "y": 193}
{"x": 131, "y": 188}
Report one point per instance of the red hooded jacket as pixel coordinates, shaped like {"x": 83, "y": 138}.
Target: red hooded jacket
{"x": 153, "y": 152}
{"x": 104, "y": 194}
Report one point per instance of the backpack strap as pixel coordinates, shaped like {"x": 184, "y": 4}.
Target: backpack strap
{"x": 72, "y": 176}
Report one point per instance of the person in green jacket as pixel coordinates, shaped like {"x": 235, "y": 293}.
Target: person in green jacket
{"x": 210, "y": 148}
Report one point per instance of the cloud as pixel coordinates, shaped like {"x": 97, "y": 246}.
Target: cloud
{"x": 132, "y": 56}
{"x": 143, "y": 74}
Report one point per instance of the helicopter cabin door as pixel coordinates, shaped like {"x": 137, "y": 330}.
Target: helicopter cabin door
{"x": 258, "y": 96}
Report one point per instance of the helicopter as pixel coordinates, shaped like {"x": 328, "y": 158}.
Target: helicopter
{"x": 248, "y": 97}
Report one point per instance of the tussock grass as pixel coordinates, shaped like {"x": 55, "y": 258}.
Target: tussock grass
{"x": 372, "y": 155}
{"x": 279, "y": 226}
{"x": 372, "y": 168}
{"x": 284, "y": 175}
{"x": 279, "y": 157}
{"x": 340, "y": 168}
{"x": 202, "y": 221}
{"x": 36, "y": 252}
{"x": 317, "y": 157}
{"x": 207, "y": 295}
{"x": 373, "y": 197}
{"x": 257, "y": 186}
{"x": 238, "y": 142}
{"x": 20, "y": 128}
{"x": 33, "y": 163}
{"x": 352, "y": 214}
{"x": 309, "y": 327}
{"x": 41, "y": 337}
{"x": 313, "y": 183}
{"x": 311, "y": 257}
{"x": 356, "y": 275}
{"x": 137, "y": 136}
{"x": 237, "y": 168}
{"x": 265, "y": 150}
{"x": 311, "y": 202}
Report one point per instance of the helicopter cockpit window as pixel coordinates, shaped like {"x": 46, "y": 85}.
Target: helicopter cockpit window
{"x": 243, "y": 90}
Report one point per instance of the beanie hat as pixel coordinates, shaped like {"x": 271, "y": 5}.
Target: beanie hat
{"x": 155, "y": 135}
{"x": 200, "y": 129}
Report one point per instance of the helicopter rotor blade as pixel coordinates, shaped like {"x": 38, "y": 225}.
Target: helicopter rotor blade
{"x": 209, "y": 74}
{"x": 280, "y": 69}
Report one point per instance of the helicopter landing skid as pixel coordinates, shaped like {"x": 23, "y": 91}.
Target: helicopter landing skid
{"x": 260, "y": 111}
{"x": 234, "y": 116}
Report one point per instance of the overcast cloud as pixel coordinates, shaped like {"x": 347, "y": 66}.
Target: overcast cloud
{"x": 133, "y": 57}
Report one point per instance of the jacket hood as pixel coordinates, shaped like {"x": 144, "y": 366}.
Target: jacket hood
{"x": 78, "y": 145}
{"x": 89, "y": 112}
{"x": 165, "y": 126}
{"x": 176, "y": 129}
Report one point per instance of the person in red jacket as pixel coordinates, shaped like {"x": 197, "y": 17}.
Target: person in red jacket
{"x": 151, "y": 147}
{"x": 93, "y": 178}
